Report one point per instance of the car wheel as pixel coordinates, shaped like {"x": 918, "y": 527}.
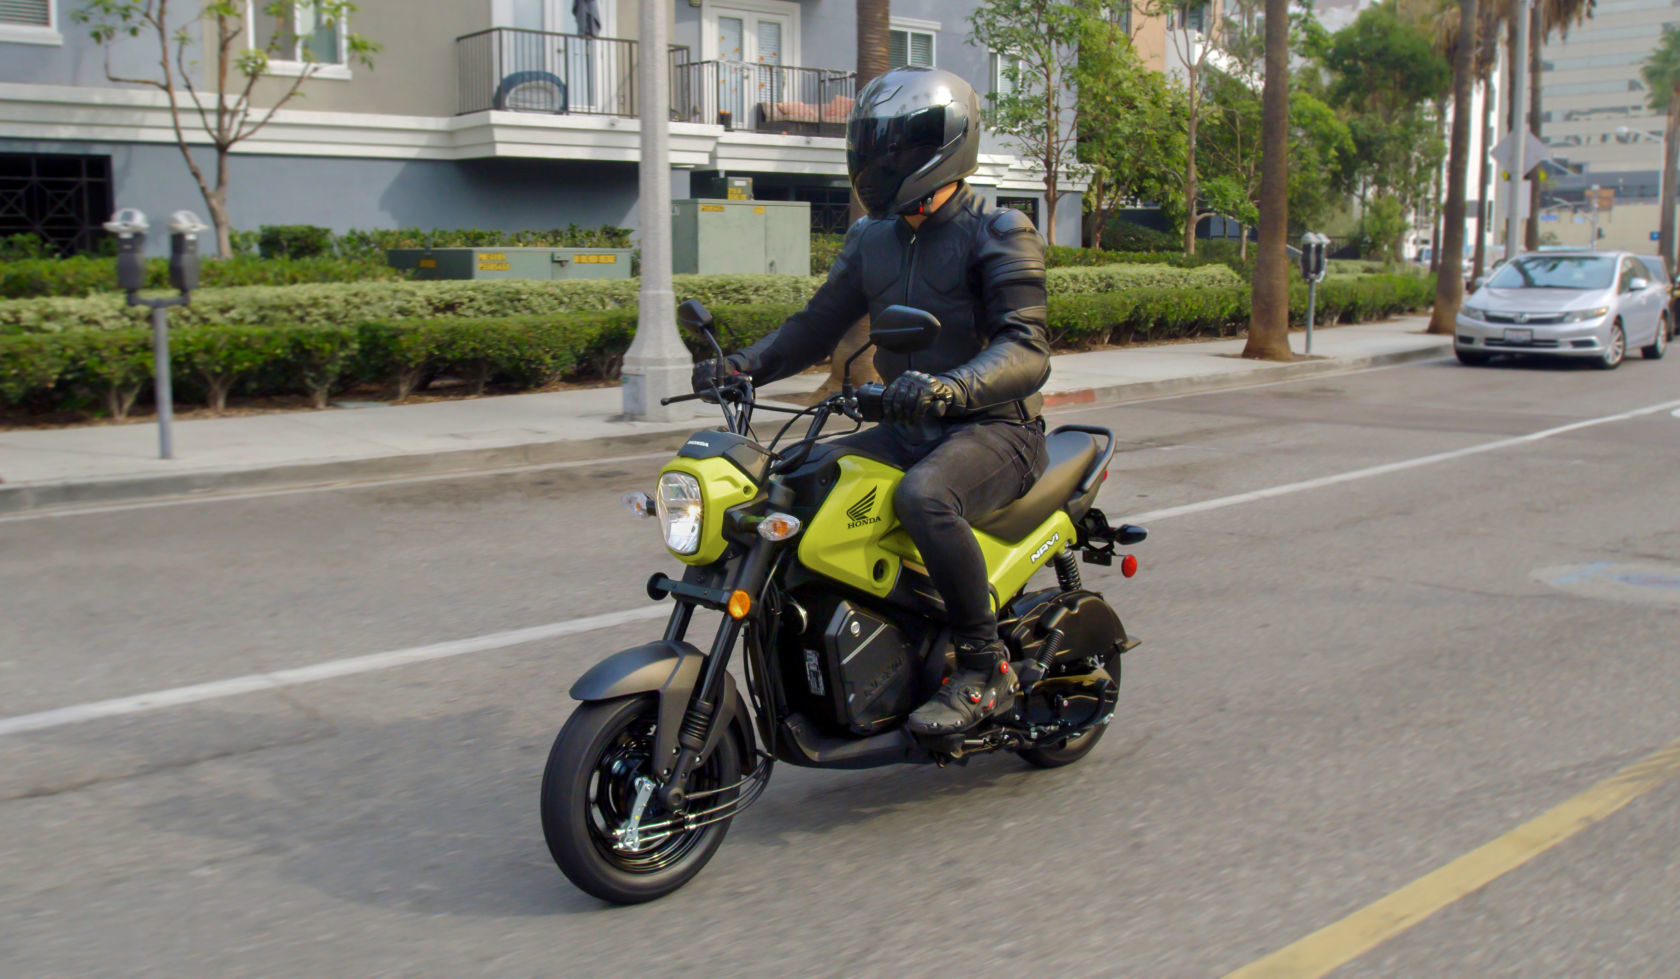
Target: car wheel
{"x": 1614, "y": 350}
{"x": 1659, "y": 345}
{"x": 1472, "y": 358}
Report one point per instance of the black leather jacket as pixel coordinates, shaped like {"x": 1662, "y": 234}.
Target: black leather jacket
{"x": 981, "y": 271}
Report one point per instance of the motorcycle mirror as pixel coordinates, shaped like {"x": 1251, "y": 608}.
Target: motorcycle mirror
{"x": 903, "y": 329}
{"x": 694, "y": 315}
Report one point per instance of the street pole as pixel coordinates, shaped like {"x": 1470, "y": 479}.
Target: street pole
{"x": 164, "y": 391}
{"x": 657, "y": 365}
{"x": 1312, "y": 303}
{"x": 1594, "y": 242}
{"x": 1519, "y": 130}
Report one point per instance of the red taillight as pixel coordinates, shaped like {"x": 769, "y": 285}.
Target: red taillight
{"x": 1105, "y": 475}
{"x": 1128, "y": 565}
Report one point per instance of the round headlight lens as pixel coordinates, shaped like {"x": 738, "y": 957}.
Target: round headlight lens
{"x": 680, "y": 510}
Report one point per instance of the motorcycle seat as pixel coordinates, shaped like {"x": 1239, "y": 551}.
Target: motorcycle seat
{"x": 1071, "y": 455}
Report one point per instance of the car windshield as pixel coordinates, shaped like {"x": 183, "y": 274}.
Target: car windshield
{"x": 1556, "y": 272}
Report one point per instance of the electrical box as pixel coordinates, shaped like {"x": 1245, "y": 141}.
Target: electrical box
{"x": 512, "y": 263}
{"x": 715, "y": 237}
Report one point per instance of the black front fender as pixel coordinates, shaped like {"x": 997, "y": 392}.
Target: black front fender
{"x": 671, "y": 670}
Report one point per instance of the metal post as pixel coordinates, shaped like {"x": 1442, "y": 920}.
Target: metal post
{"x": 1594, "y": 242}
{"x": 657, "y": 364}
{"x": 165, "y": 394}
{"x": 1312, "y": 302}
{"x": 1519, "y": 114}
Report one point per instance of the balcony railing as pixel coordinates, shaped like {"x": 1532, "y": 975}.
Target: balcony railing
{"x": 764, "y": 98}
{"x": 516, "y": 70}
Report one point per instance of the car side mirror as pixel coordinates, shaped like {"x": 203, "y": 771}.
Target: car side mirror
{"x": 1638, "y": 285}
{"x": 903, "y": 329}
{"x": 694, "y": 315}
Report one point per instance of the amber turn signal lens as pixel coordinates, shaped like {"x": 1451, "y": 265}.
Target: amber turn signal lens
{"x": 778, "y": 526}
{"x": 1128, "y": 565}
{"x": 740, "y": 603}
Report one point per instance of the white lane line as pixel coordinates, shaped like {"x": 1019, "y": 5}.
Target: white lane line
{"x": 497, "y": 640}
{"x": 1285, "y": 489}
{"x": 1675, "y": 412}
{"x": 238, "y": 497}
{"x": 332, "y": 669}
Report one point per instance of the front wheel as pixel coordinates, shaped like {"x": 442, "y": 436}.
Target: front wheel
{"x": 1659, "y": 343}
{"x": 598, "y": 771}
{"x": 1614, "y": 349}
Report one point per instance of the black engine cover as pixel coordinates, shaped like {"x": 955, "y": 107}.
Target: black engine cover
{"x": 868, "y": 670}
{"x": 1090, "y": 625}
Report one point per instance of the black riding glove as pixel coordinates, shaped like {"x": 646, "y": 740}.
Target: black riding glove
{"x": 914, "y": 396}
{"x": 712, "y": 373}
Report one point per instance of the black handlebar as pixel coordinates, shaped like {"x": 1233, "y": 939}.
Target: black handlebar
{"x": 680, "y": 397}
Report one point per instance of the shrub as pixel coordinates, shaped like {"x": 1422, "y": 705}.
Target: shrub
{"x": 1116, "y": 278}
{"x": 30, "y": 366}
{"x": 372, "y": 245}
{"x": 319, "y": 356}
{"x": 87, "y": 275}
{"x": 219, "y": 356}
{"x": 294, "y": 241}
{"x": 112, "y": 365}
{"x": 1127, "y": 236}
{"x": 825, "y": 249}
{"x": 19, "y": 247}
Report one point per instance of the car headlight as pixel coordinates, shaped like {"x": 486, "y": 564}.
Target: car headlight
{"x": 680, "y": 510}
{"x": 1474, "y": 313}
{"x": 1582, "y": 315}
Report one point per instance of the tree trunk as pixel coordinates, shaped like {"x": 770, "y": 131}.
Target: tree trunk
{"x": 216, "y": 200}
{"x": 1242, "y": 242}
{"x": 874, "y": 29}
{"x": 1268, "y": 327}
{"x": 1435, "y": 234}
{"x": 1484, "y": 173}
{"x": 1449, "y": 283}
{"x": 1671, "y": 167}
{"x": 1536, "y": 39}
{"x": 1190, "y": 172}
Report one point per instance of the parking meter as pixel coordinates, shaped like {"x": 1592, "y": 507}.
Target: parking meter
{"x": 184, "y": 229}
{"x": 1312, "y": 256}
{"x": 129, "y": 225}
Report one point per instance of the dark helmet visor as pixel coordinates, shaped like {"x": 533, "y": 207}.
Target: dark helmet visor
{"x": 881, "y": 153}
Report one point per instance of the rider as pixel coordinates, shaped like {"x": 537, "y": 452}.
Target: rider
{"x": 932, "y": 243}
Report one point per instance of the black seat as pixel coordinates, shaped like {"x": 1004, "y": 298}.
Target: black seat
{"x": 1071, "y": 455}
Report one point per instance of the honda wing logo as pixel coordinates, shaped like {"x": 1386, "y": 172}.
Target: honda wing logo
{"x": 859, "y": 511}
{"x": 1520, "y": 318}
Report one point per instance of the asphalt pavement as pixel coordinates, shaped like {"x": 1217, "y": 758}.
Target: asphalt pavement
{"x": 1388, "y": 617}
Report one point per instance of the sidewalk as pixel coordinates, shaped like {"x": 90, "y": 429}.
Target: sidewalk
{"x": 110, "y": 463}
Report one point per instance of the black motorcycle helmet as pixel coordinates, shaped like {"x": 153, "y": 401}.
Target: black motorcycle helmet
{"x": 913, "y": 131}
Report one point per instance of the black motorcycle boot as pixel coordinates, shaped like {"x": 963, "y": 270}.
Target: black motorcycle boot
{"x": 983, "y": 685}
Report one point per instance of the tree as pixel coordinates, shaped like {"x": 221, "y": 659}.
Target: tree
{"x": 1268, "y": 327}
{"x": 224, "y": 111}
{"x": 1662, "y": 76}
{"x": 1039, "y": 107}
{"x": 1131, "y": 137}
{"x": 1194, "y": 49}
{"x": 1449, "y": 283}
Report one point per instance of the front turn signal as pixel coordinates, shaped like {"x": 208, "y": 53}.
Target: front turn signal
{"x": 740, "y": 603}
{"x": 640, "y": 504}
{"x": 778, "y": 526}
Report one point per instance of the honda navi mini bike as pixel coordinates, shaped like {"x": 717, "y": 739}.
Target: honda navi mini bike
{"x": 841, "y": 629}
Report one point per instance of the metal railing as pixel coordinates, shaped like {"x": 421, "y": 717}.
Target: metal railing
{"x": 515, "y": 70}
{"x": 763, "y": 98}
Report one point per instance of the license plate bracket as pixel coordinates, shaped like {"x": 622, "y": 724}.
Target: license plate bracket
{"x": 1519, "y": 336}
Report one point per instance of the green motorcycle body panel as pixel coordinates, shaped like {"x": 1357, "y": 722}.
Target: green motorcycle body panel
{"x": 856, "y": 539}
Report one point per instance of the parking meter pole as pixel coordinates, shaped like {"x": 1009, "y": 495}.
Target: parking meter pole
{"x": 1312, "y": 301}
{"x": 165, "y": 392}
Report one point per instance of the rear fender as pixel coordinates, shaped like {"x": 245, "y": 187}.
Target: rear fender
{"x": 1090, "y": 626}
{"x": 671, "y": 670}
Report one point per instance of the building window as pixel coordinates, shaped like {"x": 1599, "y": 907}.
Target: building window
{"x": 303, "y": 39}
{"x": 29, "y": 22}
{"x": 910, "y": 45}
{"x": 1026, "y": 205}
{"x": 62, "y": 200}
{"x": 1001, "y": 65}
{"x": 1119, "y": 14}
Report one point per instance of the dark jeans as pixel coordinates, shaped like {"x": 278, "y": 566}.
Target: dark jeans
{"x": 970, "y": 471}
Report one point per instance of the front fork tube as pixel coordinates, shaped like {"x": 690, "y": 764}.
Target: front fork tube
{"x": 697, "y": 721}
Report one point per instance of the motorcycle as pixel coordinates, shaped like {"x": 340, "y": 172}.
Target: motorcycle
{"x": 841, "y": 628}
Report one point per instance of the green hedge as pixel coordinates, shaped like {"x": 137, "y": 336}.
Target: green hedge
{"x": 86, "y": 275}
{"x": 348, "y": 303}
{"x": 523, "y": 351}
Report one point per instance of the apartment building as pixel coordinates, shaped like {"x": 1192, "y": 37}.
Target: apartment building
{"x": 477, "y": 113}
{"x": 1597, "y": 118}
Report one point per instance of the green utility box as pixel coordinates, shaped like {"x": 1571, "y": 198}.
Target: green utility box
{"x": 512, "y": 263}
{"x": 712, "y": 237}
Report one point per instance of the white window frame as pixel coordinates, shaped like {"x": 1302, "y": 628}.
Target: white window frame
{"x": 997, "y": 60}
{"x": 709, "y": 11}
{"x": 26, "y": 34}
{"x": 913, "y": 25}
{"x": 291, "y": 67}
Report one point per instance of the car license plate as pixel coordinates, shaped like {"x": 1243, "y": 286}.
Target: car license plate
{"x": 1519, "y": 336}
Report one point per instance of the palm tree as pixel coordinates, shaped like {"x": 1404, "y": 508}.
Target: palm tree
{"x": 1268, "y": 327}
{"x": 1662, "y": 77}
{"x": 1449, "y": 284}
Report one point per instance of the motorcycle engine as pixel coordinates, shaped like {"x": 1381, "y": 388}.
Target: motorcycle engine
{"x": 864, "y": 670}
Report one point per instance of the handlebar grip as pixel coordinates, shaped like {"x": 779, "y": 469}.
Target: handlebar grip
{"x": 680, "y": 397}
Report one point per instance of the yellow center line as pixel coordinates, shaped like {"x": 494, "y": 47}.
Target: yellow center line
{"x": 1337, "y": 944}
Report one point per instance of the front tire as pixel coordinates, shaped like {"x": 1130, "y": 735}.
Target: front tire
{"x": 1659, "y": 345}
{"x": 1614, "y": 351}
{"x": 588, "y": 790}
{"x": 1472, "y": 358}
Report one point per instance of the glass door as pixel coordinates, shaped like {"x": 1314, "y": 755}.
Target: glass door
{"x": 750, "y": 56}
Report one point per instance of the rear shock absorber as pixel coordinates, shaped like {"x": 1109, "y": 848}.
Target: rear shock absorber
{"x": 1067, "y": 571}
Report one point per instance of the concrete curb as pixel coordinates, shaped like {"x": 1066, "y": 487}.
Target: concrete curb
{"x": 69, "y": 494}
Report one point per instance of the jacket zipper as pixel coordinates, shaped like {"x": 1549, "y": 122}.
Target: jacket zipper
{"x": 909, "y": 284}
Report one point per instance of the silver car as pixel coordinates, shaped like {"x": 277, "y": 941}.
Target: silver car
{"x": 1567, "y": 304}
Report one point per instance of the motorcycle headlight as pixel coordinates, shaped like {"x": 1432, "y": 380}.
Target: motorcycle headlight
{"x": 680, "y": 511}
{"x": 1583, "y": 315}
